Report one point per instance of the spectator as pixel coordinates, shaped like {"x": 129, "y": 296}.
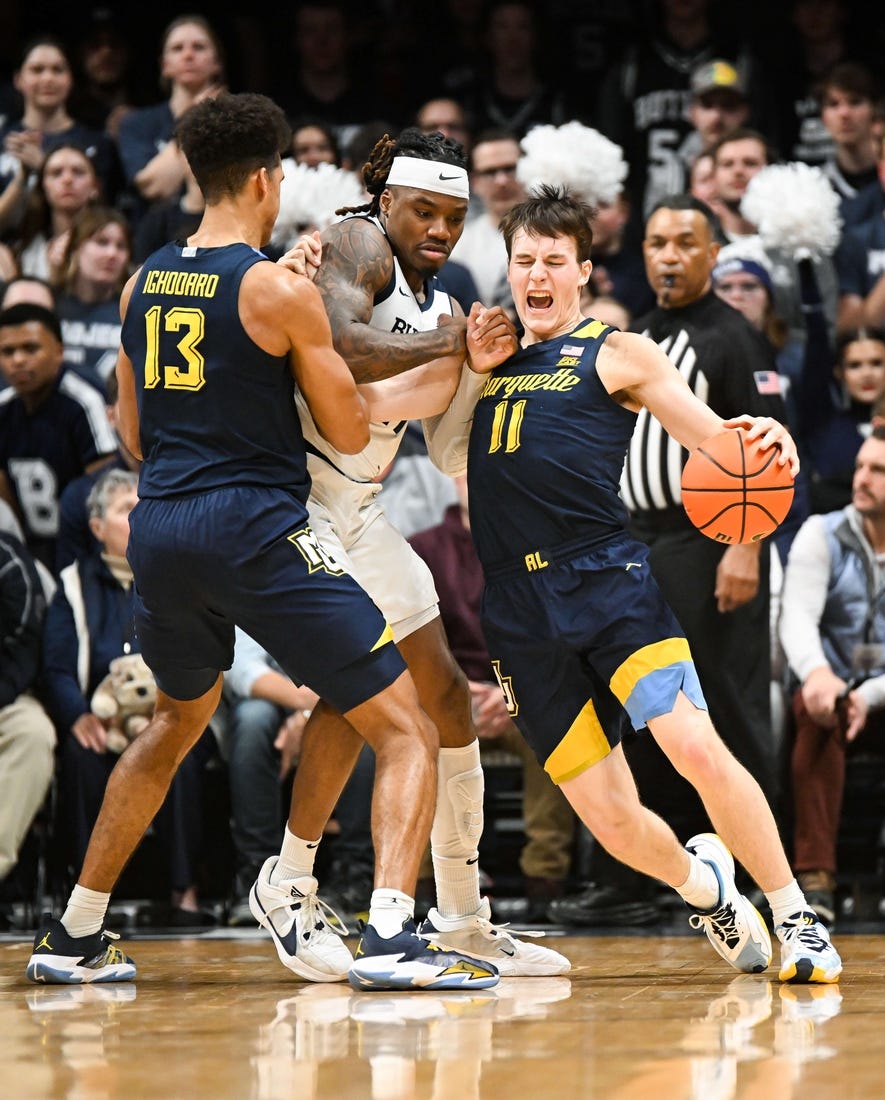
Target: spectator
{"x": 322, "y": 79}
{"x": 314, "y": 142}
{"x": 96, "y": 263}
{"x": 832, "y": 627}
{"x": 104, "y": 89}
{"x": 447, "y": 547}
{"x": 719, "y": 104}
{"x": 27, "y": 739}
{"x": 605, "y": 308}
{"x": 446, "y": 116}
{"x": 493, "y": 178}
{"x": 172, "y": 219}
{"x": 817, "y": 36}
{"x": 848, "y": 97}
{"x": 66, "y": 185}
{"x": 737, "y": 159}
{"x": 266, "y": 717}
{"x": 45, "y": 81}
{"x": 645, "y": 96}
{"x": 75, "y": 538}
{"x": 835, "y": 407}
{"x": 860, "y": 262}
{"x": 702, "y": 182}
{"x": 26, "y": 288}
{"x": 53, "y": 425}
{"x": 511, "y": 89}
{"x": 192, "y": 66}
{"x": 742, "y": 278}
{"x": 90, "y": 622}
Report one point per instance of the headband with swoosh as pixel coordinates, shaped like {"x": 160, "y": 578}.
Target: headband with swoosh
{"x": 429, "y": 175}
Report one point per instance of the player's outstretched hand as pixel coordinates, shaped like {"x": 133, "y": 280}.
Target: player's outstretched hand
{"x": 491, "y": 338}
{"x": 304, "y": 256}
{"x": 770, "y": 433}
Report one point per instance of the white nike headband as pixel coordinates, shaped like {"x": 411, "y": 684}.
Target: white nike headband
{"x": 429, "y": 175}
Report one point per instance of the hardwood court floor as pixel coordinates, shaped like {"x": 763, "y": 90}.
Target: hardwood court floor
{"x": 638, "y": 1018}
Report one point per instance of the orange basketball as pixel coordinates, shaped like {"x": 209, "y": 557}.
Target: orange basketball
{"x": 733, "y": 490}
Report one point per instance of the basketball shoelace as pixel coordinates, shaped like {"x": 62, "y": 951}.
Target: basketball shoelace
{"x": 110, "y": 956}
{"x": 723, "y": 921}
{"x": 804, "y": 928}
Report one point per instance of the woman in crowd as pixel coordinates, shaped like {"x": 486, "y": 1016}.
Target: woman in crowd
{"x": 93, "y": 271}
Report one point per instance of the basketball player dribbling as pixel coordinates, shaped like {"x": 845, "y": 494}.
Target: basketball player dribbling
{"x": 580, "y": 636}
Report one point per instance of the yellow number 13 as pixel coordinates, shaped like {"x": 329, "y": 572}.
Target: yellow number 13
{"x": 192, "y": 375}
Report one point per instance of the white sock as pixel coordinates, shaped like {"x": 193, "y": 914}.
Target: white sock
{"x": 786, "y": 902}
{"x": 85, "y": 912}
{"x": 389, "y": 910}
{"x": 457, "y": 827}
{"x": 296, "y": 858}
{"x": 701, "y": 888}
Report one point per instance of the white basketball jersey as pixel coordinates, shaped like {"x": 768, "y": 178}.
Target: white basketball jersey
{"x": 396, "y": 309}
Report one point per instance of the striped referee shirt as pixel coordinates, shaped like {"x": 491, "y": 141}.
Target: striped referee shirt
{"x": 726, "y": 363}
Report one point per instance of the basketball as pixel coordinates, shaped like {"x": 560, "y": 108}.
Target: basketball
{"x": 733, "y": 491}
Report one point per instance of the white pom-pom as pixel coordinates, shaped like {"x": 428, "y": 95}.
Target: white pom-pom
{"x": 309, "y": 198}
{"x": 795, "y": 209}
{"x": 573, "y": 156}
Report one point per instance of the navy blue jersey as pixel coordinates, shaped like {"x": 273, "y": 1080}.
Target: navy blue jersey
{"x": 546, "y": 451}
{"x": 41, "y": 451}
{"x": 196, "y": 366}
{"x": 91, "y": 335}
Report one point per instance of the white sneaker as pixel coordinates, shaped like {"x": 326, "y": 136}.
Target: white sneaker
{"x": 298, "y": 922}
{"x": 478, "y": 937}
{"x": 734, "y": 927}
{"x": 806, "y": 952}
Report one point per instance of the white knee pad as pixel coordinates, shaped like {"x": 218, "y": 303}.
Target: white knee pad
{"x": 458, "y": 821}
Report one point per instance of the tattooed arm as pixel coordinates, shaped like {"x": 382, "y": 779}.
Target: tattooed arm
{"x": 357, "y": 264}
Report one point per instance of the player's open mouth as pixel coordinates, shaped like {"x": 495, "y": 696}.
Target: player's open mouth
{"x": 539, "y": 299}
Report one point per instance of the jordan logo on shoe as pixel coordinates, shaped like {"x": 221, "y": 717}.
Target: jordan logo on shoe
{"x": 296, "y": 893}
{"x": 45, "y": 943}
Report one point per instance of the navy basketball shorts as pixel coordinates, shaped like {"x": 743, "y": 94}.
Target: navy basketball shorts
{"x": 583, "y": 648}
{"x": 246, "y": 556}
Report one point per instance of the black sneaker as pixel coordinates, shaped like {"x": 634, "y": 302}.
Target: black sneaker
{"x": 409, "y": 961}
{"x": 60, "y": 959}
{"x": 601, "y": 906}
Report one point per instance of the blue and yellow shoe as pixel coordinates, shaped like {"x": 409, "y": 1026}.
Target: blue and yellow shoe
{"x": 806, "y": 952}
{"x": 408, "y": 961}
{"x": 60, "y": 959}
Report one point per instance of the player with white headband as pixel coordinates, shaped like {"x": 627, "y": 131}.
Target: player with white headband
{"x": 404, "y": 339}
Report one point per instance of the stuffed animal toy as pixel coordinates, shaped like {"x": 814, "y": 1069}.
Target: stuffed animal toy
{"x": 125, "y": 699}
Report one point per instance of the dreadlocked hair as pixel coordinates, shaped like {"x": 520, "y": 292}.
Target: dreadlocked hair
{"x": 411, "y": 142}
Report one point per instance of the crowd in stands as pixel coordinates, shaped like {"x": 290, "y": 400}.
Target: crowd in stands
{"x": 648, "y": 98}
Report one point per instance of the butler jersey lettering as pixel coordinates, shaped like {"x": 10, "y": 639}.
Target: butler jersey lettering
{"x": 545, "y": 453}
{"x": 395, "y": 309}
{"x": 195, "y": 365}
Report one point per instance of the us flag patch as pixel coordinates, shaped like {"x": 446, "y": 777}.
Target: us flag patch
{"x": 767, "y": 381}
{"x": 571, "y": 349}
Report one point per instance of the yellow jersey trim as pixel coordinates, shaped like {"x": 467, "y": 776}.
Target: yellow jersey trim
{"x": 584, "y": 745}
{"x": 661, "y": 654}
{"x": 387, "y": 636}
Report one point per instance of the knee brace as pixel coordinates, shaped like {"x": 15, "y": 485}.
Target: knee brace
{"x": 458, "y": 821}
